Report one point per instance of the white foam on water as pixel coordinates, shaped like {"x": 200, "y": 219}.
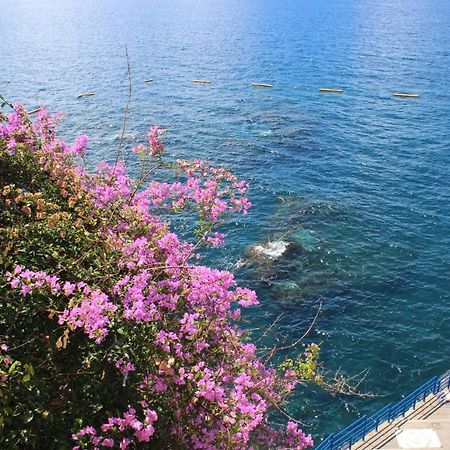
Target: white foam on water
{"x": 272, "y": 250}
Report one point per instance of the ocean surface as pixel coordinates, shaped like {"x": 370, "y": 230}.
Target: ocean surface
{"x": 358, "y": 183}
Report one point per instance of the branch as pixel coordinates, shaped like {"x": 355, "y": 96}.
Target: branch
{"x": 338, "y": 384}
{"x": 306, "y": 333}
{"x": 5, "y": 102}
{"x": 127, "y": 106}
{"x": 270, "y": 328}
{"x": 282, "y": 411}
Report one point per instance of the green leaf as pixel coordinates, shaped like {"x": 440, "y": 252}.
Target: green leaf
{"x": 15, "y": 365}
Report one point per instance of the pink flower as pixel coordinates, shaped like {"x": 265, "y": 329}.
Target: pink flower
{"x": 144, "y": 434}
{"x": 246, "y": 297}
{"x": 80, "y": 145}
{"x": 108, "y": 442}
{"x": 14, "y": 283}
{"x": 124, "y": 366}
{"x": 25, "y": 289}
{"x": 216, "y": 240}
{"x": 140, "y": 149}
{"x": 124, "y": 443}
{"x": 68, "y": 288}
{"x": 156, "y": 146}
{"x": 11, "y": 146}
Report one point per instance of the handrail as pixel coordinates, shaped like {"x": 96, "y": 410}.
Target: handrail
{"x": 360, "y": 428}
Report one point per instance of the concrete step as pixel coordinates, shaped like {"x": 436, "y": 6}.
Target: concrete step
{"x": 442, "y": 413}
{"x": 429, "y": 420}
{"x": 386, "y": 431}
{"x": 422, "y": 424}
{"x": 433, "y": 412}
{"x": 426, "y": 408}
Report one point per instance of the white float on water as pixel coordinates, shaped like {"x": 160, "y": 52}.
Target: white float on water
{"x": 336, "y": 91}
{"x": 86, "y": 94}
{"x": 268, "y": 85}
{"x": 401, "y": 94}
{"x": 202, "y": 81}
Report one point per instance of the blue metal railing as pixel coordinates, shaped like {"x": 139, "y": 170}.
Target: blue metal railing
{"x": 358, "y": 430}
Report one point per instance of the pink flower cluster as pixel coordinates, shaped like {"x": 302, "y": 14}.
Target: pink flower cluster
{"x": 5, "y": 361}
{"x": 125, "y": 431}
{"x": 190, "y": 361}
{"x": 79, "y": 146}
{"x": 155, "y": 146}
{"x": 16, "y": 130}
{"x": 88, "y": 308}
{"x": 125, "y": 367}
{"x": 213, "y": 193}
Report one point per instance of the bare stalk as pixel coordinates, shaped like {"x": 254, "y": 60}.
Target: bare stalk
{"x": 127, "y": 107}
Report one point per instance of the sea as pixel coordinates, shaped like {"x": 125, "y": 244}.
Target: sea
{"x": 357, "y": 183}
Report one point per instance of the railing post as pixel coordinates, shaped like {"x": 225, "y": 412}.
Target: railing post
{"x": 437, "y": 386}
{"x": 330, "y": 440}
{"x": 364, "y": 428}
{"x": 390, "y": 412}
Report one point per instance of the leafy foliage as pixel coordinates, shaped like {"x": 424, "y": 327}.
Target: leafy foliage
{"x": 112, "y": 334}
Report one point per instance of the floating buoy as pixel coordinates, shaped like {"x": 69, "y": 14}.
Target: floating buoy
{"x": 399, "y": 94}
{"x": 336, "y": 91}
{"x": 148, "y": 81}
{"x": 262, "y": 85}
{"x": 86, "y": 94}
{"x": 163, "y": 130}
{"x": 34, "y": 111}
{"x": 201, "y": 81}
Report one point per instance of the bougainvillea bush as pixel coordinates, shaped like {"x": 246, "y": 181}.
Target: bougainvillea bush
{"x": 112, "y": 332}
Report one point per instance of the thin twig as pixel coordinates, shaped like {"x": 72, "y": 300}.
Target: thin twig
{"x": 270, "y": 355}
{"x": 270, "y": 327}
{"x": 311, "y": 326}
{"x": 127, "y": 106}
{"x": 282, "y": 411}
{"x": 29, "y": 341}
{"x": 6, "y": 102}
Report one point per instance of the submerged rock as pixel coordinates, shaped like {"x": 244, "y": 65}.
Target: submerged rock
{"x": 286, "y": 287}
{"x": 305, "y": 239}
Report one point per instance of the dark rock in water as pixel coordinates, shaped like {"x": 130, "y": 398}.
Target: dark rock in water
{"x": 305, "y": 239}
{"x": 286, "y": 290}
{"x": 295, "y": 210}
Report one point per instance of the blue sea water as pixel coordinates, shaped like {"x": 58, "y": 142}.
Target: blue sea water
{"x": 357, "y": 182}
